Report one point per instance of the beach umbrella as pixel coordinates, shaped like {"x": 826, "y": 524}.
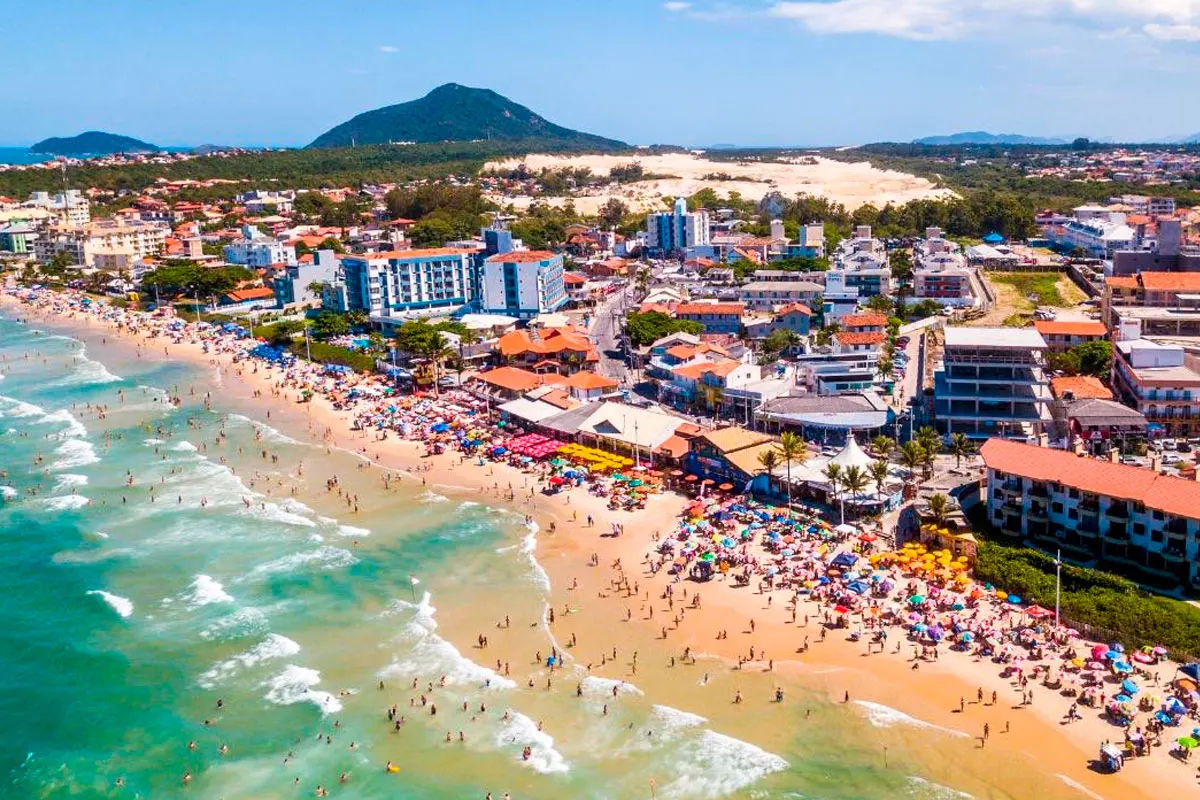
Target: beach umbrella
{"x": 1112, "y": 655}
{"x": 1122, "y": 699}
{"x": 1016, "y": 601}
{"x": 841, "y": 610}
{"x": 1187, "y": 742}
{"x": 1120, "y": 648}
{"x": 916, "y": 600}
{"x": 708, "y": 557}
{"x": 1122, "y": 666}
{"x": 1130, "y": 687}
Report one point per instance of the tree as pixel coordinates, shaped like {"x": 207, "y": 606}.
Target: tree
{"x": 879, "y": 473}
{"x": 778, "y": 342}
{"x": 882, "y": 445}
{"x": 912, "y": 455}
{"x": 833, "y": 474}
{"x": 939, "y": 508}
{"x": 824, "y": 336}
{"x": 329, "y": 324}
{"x": 316, "y": 287}
{"x": 611, "y": 214}
{"x": 176, "y": 278}
{"x": 330, "y": 243}
{"x": 431, "y": 232}
{"x": 416, "y": 337}
{"x": 644, "y": 329}
{"x": 1094, "y": 358}
{"x": 792, "y": 448}
{"x": 900, "y": 262}
{"x": 881, "y": 303}
{"x": 769, "y": 459}
{"x": 59, "y": 263}
{"x": 960, "y": 447}
{"x": 854, "y": 481}
{"x": 929, "y": 439}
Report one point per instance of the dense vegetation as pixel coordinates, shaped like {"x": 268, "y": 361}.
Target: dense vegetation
{"x": 644, "y": 329}
{"x": 1090, "y": 597}
{"x": 96, "y": 143}
{"x": 452, "y": 112}
{"x": 290, "y": 169}
{"x": 178, "y": 277}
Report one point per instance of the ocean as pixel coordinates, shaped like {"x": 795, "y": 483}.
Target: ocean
{"x": 21, "y": 155}
{"x": 183, "y": 594}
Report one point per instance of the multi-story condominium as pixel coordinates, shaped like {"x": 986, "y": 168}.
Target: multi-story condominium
{"x": 82, "y": 242}
{"x": 1092, "y": 508}
{"x": 71, "y": 207}
{"x": 291, "y": 287}
{"x": 992, "y": 383}
{"x": 767, "y": 295}
{"x": 256, "y": 251}
{"x": 950, "y": 286}
{"x": 1062, "y": 335}
{"x": 523, "y": 283}
{"x": 867, "y": 282}
{"x": 1100, "y": 238}
{"x": 837, "y": 372}
{"x": 398, "y": 285}
{"x": 715, "y": 317}
{"x": 1142, "y": 204}
{"x": 1161, "y": 381}
{"x": 677, "y": 230}
{"x": 258, "y": 201}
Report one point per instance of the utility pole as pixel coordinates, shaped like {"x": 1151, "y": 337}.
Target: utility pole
{"x": 1057, "y": 584}
{"x": 307, "y": 348}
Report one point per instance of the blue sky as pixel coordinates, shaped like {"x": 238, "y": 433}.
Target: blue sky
{"x": 753, "y": 72}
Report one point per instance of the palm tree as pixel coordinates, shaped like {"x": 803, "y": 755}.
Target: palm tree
{"x": 792, "y": 448}
{"x": 769, "y": 459}
{"x": 854, "y": 481}
{"x": 882, "y": 445}
{"x": 879, "y": 473}
{"x": 960, "y": 447}
{"x": 833, "y": 474}
{"x": 939, "y": 508}
{"x": 886, "y": 368}
{"x": 929, "y": 439}
{"x": 912, "y": 455}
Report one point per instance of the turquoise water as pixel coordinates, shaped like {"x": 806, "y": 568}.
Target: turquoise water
{"x": 128, "y": 613}
{"x": 21, "y": 155}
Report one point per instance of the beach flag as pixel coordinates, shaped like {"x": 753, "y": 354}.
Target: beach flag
{"x": 413, "y": 579}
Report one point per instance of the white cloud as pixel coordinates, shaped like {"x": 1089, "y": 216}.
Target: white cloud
{"x": 387, "y": 48}
{"x": 954, "y": 19}
{"x": 676, "y": 6}
{"x": 1179, "y": 33}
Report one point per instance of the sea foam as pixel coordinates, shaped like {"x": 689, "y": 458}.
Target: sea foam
{"x": 66, "y": 502}
{"x": 273, "y": 647}
{"x": 715, "y": 765}
{"x": 295, "y": 685}
{"x": 205, "y": 590}
{"x": 882, "y": 716}
{"x": 122, "y": 605}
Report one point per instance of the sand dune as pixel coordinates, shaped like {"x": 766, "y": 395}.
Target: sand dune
{"x": 852, "y": 184}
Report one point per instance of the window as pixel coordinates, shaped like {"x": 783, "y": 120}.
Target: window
{"x": 1073, "y": 494}
{"x": 1072, "y": 514}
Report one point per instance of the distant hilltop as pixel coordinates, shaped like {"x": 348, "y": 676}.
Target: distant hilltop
{"x": 452, "y": 112}
{"x": 92, "y": 143}
{"x": 983, "y": 137}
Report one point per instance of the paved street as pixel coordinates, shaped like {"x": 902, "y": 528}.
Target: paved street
{"x": 606, "y": 330}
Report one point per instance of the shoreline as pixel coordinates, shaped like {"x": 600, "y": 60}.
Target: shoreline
{"x": 929, "y": 695}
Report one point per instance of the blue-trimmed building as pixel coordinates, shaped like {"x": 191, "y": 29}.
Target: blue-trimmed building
{"x": 398, "y": 285}
{"x": 523, "y": 284}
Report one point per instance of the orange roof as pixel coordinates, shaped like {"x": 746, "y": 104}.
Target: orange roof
{"x": 1171, "y": 281}
{"x": 574, "y": 278}
{"x": 1163, "y": 492}
{"x": 696, "y": 371}
{"x": 662, "y": 308}
{"x": 558, "y": 397}
{"x": 555, "y": 340}
{"x": 1049, "y": 327}
{"x": 512, "y": 378}
{"x": 864, "y": 321}
{"x": 856, "y": 337}
{"x": 590, "y": 380}
{"x": 521, "y": 256}
{"x": 710, "y": 308}
{"x": 1081, "y": 386}
{"x": 1123, "y": 282}
{"x": 674, "y": 446}
{"x": 794, "y": 308}
{"x": 259, "y": 293}
{"x": 307, "y": 258}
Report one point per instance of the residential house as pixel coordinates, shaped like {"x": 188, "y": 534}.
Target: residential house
{"x": 714, "y": 317}
{"x": 247, "y": 299}
{"x": 508, "y": 383}
{"x": 588, "y": 386}
{"x": 562, "y": 350}
{"x": 1062, "y": 335}
{"x": 767, "y": 295}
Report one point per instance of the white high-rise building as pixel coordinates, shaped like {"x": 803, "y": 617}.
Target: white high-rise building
{"x": 677, "y": 230}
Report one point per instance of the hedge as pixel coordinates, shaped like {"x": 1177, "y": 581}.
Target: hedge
{"x": 323, "y": 353}
{"x": 1095, "y": 598}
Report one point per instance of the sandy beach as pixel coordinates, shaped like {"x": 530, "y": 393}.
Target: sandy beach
{"x": 939, "y": 699}
{"x": 851, "y": 184}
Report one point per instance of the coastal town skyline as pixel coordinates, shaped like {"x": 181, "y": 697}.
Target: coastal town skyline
{"x": 1010, "y": 69}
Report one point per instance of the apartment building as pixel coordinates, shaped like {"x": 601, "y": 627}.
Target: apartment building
{"x": 948, "y": 285}
{"x": 715, "y": 317}
{"x": 1161, "y": 381}
{"x": 1092, "y": 508}
{"x": 292, "y": 284}
{"x": 523, "y": 283}
{"x": 82, "y": 242}
{"x": 992, "y": 382}
{"x": 676, "y": 231}
{"x": 70, "y": 207}
{"x": 258, "y": 251}
{"x": 396, "y": 285}
{"x": 767, "y": 295}
{"x": 1150, "y": 206}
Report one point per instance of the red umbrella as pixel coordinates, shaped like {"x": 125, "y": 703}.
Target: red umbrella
{"x": 841, "y": 610}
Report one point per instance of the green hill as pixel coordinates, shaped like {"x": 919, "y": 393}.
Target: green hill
{"x": 92, "y": 143}
{"x": 454, "y": 113}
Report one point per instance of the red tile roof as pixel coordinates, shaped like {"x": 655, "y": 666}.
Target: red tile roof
{"x": 1050, "y": 327}
{"x": 696, "y": 371}
{"x": 864, "y": 321}
{"x": 1163, "y": 492}
{"x": 1170, "y": 281}
{"x": 710, "y": 308}
{"x": 794, "y": 308}
{"x": 589, "y": 380}
{"x": 241, "y": 295}
{"x": 1081, "y": 387}
{"x": 857, "y": 337}
{"x": 513, "y": 379}
{"x": 574, "y": 279}
{"x": 521, "y": 257}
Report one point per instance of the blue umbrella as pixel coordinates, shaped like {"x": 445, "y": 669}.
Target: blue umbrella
{"x": 1123, "y": 698}
{"x": 727, "y": 542}
{"x": 787, "y": 551}
{"x": 1130, "y": 687}
{"x": 1120, "y": 648}
{"x": 920, "y": 628}
{"x": 1121, "y": 666}
{"x": 1112, "y": 655}
{"x": 1012, "y": 598}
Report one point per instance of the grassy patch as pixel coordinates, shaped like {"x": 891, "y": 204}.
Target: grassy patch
{"x": 1017, "y": 320}
{"x": 1042, "y": 285}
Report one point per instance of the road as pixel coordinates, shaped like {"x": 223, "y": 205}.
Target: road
{"x": 607, "y": 319}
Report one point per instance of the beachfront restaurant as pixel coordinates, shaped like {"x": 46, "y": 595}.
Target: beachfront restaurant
{"x": 828, "y": 419}
{"x": 728, "y": 456}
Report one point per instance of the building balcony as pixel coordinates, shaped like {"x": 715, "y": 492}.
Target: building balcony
{"x": 1118, "y": 510}
{"x": 1090, "y": 505}
{"x": 1037, "y": 512}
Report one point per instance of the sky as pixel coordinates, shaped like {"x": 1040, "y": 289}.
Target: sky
{"x": 746, "y": 72}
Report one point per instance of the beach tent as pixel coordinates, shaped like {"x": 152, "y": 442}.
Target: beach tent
{"x": 993, "y": 238}
{"x": 852, "y": 456}
{"x": 1192, "y": 670}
